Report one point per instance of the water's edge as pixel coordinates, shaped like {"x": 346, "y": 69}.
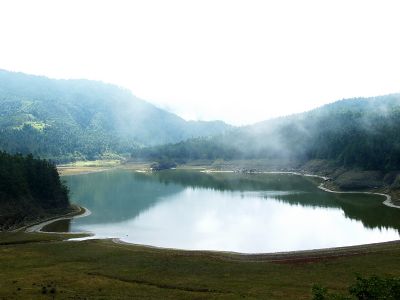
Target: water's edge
{"x": 387, "y": 202}
{"x": 86, "y": 212}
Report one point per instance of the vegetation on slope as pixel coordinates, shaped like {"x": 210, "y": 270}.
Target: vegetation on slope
{"x": 372, "y": 288}
{"x": 355, "y": 133}
{"x": 67, "y": 120}
{"x": 29, "y": 188}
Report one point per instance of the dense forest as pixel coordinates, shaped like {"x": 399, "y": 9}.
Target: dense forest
{"x": 362, "y": 133}
{"x": 67, "y": 120}
{"x": 29, "y": 188}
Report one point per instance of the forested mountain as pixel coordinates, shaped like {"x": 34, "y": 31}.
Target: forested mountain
{"x": 72, "y": 119}
{"x": 362, "y": 132}
{"x": 80, "y": 119}
{"x": 29, "y": 188}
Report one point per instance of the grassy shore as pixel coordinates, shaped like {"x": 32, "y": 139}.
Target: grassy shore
{"x": 45, "y": 266}
{"x": 40, "y": 266}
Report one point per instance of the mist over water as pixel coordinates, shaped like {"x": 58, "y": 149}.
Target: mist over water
{"x": 227, "y": 212}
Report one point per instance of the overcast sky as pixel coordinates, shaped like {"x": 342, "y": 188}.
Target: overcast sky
{"x": 239, "y": 61}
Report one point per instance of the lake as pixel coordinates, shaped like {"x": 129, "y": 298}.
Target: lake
{"x": 250, "y": 213}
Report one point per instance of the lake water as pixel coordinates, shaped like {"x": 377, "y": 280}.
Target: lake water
{"x": 249, "y": 213}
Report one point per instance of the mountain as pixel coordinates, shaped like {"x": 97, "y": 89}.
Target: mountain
{"x": 356, "y": 133}
{"x": 73, "y": 119}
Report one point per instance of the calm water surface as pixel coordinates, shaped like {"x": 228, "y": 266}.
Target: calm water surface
{"x": 226, "y": 211}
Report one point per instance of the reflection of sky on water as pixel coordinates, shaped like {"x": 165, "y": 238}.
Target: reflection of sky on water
{"x": 201, "y": 218}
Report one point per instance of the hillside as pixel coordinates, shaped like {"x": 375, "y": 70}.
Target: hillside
{"x": 81, "y": 119}
{"x": 355, "y": 133}
{"x": 29, "y": 189}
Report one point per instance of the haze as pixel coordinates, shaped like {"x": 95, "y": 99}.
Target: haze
{"x": 239, "y": 61}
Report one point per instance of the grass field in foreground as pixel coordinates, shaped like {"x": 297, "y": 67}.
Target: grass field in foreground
{"x": 42, "y": 266}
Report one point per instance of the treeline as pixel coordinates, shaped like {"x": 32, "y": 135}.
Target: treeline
{"x": 63, "y": 143}
{"x": 29, "y": 188}
{"x": 193, "y": 149}
{"x": 370, "y": 141}
{"x": 66, "y": 120}
{"x": 362, "y": 133}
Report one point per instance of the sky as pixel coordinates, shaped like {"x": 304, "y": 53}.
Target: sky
{"x": 237, "y": 61}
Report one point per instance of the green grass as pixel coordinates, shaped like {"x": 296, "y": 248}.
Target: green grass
{"x": 101, "y": 269}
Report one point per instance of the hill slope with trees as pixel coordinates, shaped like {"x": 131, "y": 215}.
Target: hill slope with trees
{"x": 29, "y": 188}
{"x": 355, "y": 133}
{"x": 66, "y": 120}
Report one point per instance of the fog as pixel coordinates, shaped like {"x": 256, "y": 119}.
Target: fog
{"x": 238, "y": 61}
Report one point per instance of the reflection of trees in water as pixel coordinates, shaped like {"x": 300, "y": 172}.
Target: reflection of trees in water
{"x": 237, "y": 181}
{"x": 119, "y": 195}
{"x": 365, "y": 208}
{"x": 58, "y": 226}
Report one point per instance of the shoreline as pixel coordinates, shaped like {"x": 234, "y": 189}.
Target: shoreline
{"x": 344, "y": 250}
{"x": 83, "y": 212}
{"x": 72, "y": 170}
{"x": 388, "y": 201}
{"x": 318, "y": 253}
{"x": 327, "y": 251}
{"x": 37, "y": 227}
{"x": 76, "y": 211}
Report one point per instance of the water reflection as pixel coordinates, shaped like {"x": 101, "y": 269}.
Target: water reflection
{"x": 225, "y": 211}
{"x": 63, "y": 225}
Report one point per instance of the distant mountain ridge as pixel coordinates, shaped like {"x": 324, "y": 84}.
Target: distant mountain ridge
{"x": 362, "y": 133}
{"x": 74, "y": 119}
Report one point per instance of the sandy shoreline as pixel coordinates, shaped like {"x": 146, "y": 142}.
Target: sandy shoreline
{"x": 387, "y": 201}
{"x": 83, "y": 212}
{"x": 71, "y": 171}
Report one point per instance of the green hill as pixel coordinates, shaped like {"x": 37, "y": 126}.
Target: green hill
{"x": 81, "y": 119}
{"x": 355, "y": 133}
